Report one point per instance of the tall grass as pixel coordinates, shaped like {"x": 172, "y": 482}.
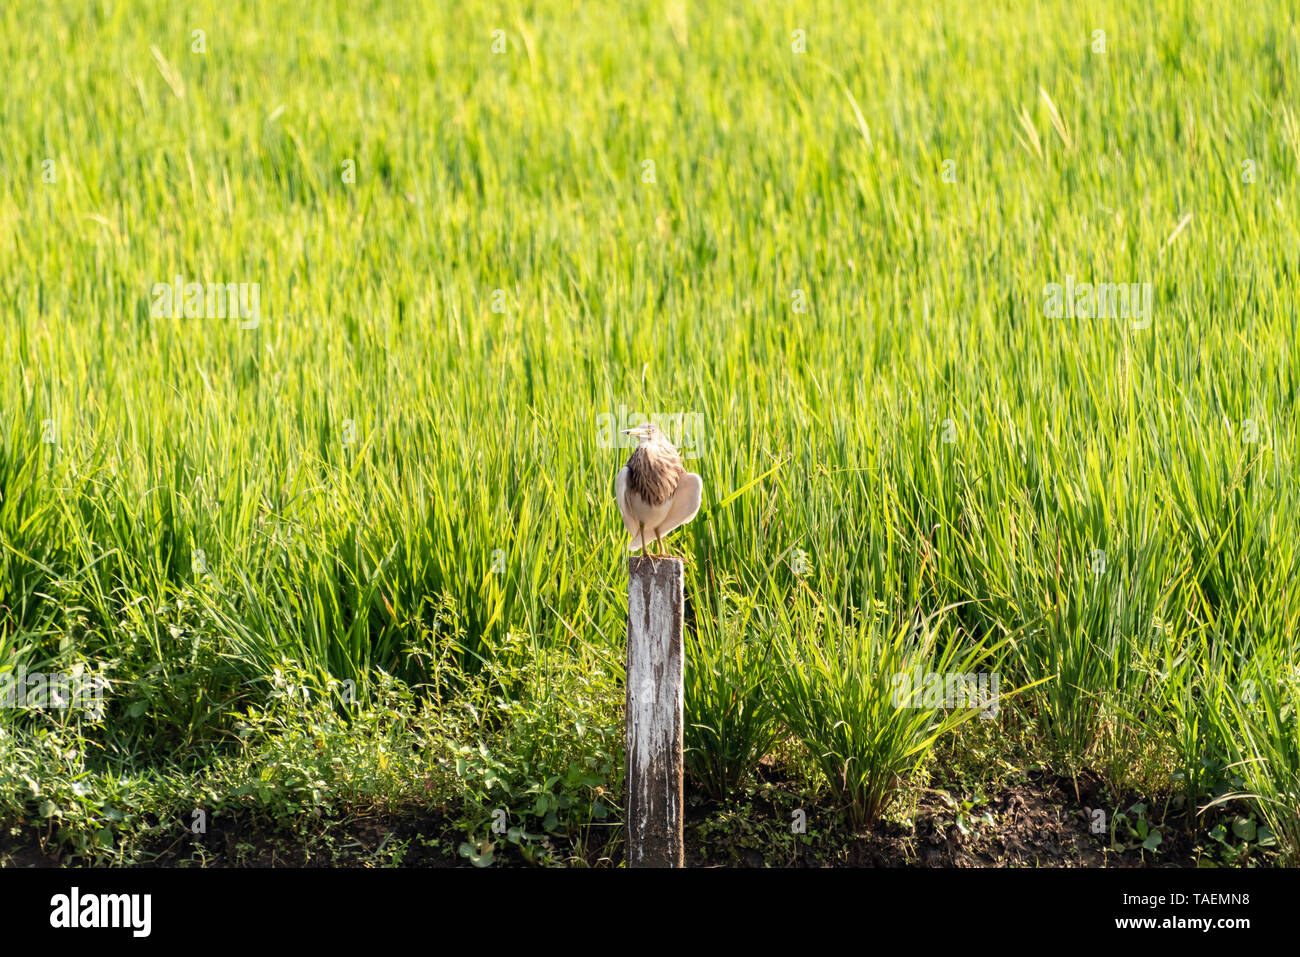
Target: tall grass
{"x": 837, "y": 693}
{"x": 731, "y": 660}
{"x": 193, "y": 504}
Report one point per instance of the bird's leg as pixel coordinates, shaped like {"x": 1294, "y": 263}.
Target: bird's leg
{"x": 645, "y": 552}
{"x": 664, "y": 551}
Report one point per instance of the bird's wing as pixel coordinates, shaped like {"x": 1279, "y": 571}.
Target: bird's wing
{"x": 620, "y": 493}
{"x": 686, "y": 503}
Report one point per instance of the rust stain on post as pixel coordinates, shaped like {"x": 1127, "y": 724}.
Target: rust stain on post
{"x": 655, "y": 609}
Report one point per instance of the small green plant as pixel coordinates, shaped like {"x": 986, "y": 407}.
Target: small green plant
{"x": 1130, "y": 830}
{"x": 1242, "y": 839}
{"x": 544, "y": 761}
{"x": 835, "y": 690}
{"x": 967, "y": 811}
{"x": 1260, "y": 722}
{"x": 730, "y": 721}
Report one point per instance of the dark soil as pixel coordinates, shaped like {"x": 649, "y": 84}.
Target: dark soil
{"x": 1041, "y": 823}
{"x": 1038, "y": 823}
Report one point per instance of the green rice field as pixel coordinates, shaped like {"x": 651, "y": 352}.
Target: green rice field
{"x": 978, "y": 323}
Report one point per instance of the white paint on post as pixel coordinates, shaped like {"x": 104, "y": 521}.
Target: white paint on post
{"x": 655, "y": 612}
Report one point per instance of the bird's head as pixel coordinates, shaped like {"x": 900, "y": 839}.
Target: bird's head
{"x": 644, "y": 433}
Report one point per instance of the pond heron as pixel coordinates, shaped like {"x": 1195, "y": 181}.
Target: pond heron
{"x": 655, "y": 493}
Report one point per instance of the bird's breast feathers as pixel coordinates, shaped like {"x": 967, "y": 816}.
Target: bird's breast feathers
{"x": 654, "y": 472}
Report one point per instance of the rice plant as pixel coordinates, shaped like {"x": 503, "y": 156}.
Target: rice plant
{"x": 861, "y": 699}
{"x": 452, "y": 250}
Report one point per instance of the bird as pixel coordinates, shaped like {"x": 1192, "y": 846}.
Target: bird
{"x": 655, "y": 493}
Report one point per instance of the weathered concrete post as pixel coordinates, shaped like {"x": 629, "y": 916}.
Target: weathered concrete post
{"x": 655, "y": 611}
